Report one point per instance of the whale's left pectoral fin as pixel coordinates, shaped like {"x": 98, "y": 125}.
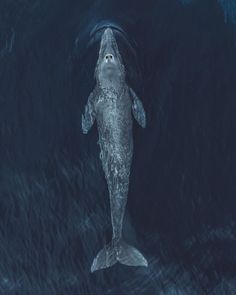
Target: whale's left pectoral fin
{"x": 89, "y": 114}
{"x": 138, "y": 110}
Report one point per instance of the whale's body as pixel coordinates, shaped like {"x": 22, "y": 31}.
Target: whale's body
{"x": 112, "y": 103}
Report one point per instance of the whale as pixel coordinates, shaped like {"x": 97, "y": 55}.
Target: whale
{"x": 114, "y": 105}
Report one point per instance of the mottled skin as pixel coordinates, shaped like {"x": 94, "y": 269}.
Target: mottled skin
{"x": 112, "y": 103}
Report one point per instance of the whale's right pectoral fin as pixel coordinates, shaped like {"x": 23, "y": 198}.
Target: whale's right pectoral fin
{"x": 89, "y": 114}
{"x": 138, "y": 110}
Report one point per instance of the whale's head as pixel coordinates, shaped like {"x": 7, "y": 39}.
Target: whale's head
{"x": 109, "y": 65}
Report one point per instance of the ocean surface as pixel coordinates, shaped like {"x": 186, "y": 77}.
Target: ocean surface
{"x": 54, "y": 206}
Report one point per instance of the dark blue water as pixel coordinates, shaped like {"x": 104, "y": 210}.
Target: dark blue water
{"x": 54, "y": 209}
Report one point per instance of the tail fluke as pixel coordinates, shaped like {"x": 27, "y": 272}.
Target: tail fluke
{"x": 129, "y": 255}
{"x": 105, "y": 258}
{"x": 118, "y": 252}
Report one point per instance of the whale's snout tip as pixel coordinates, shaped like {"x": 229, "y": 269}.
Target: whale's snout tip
{"x": 108, "y": 30}
{"x": 108, "y": 33}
